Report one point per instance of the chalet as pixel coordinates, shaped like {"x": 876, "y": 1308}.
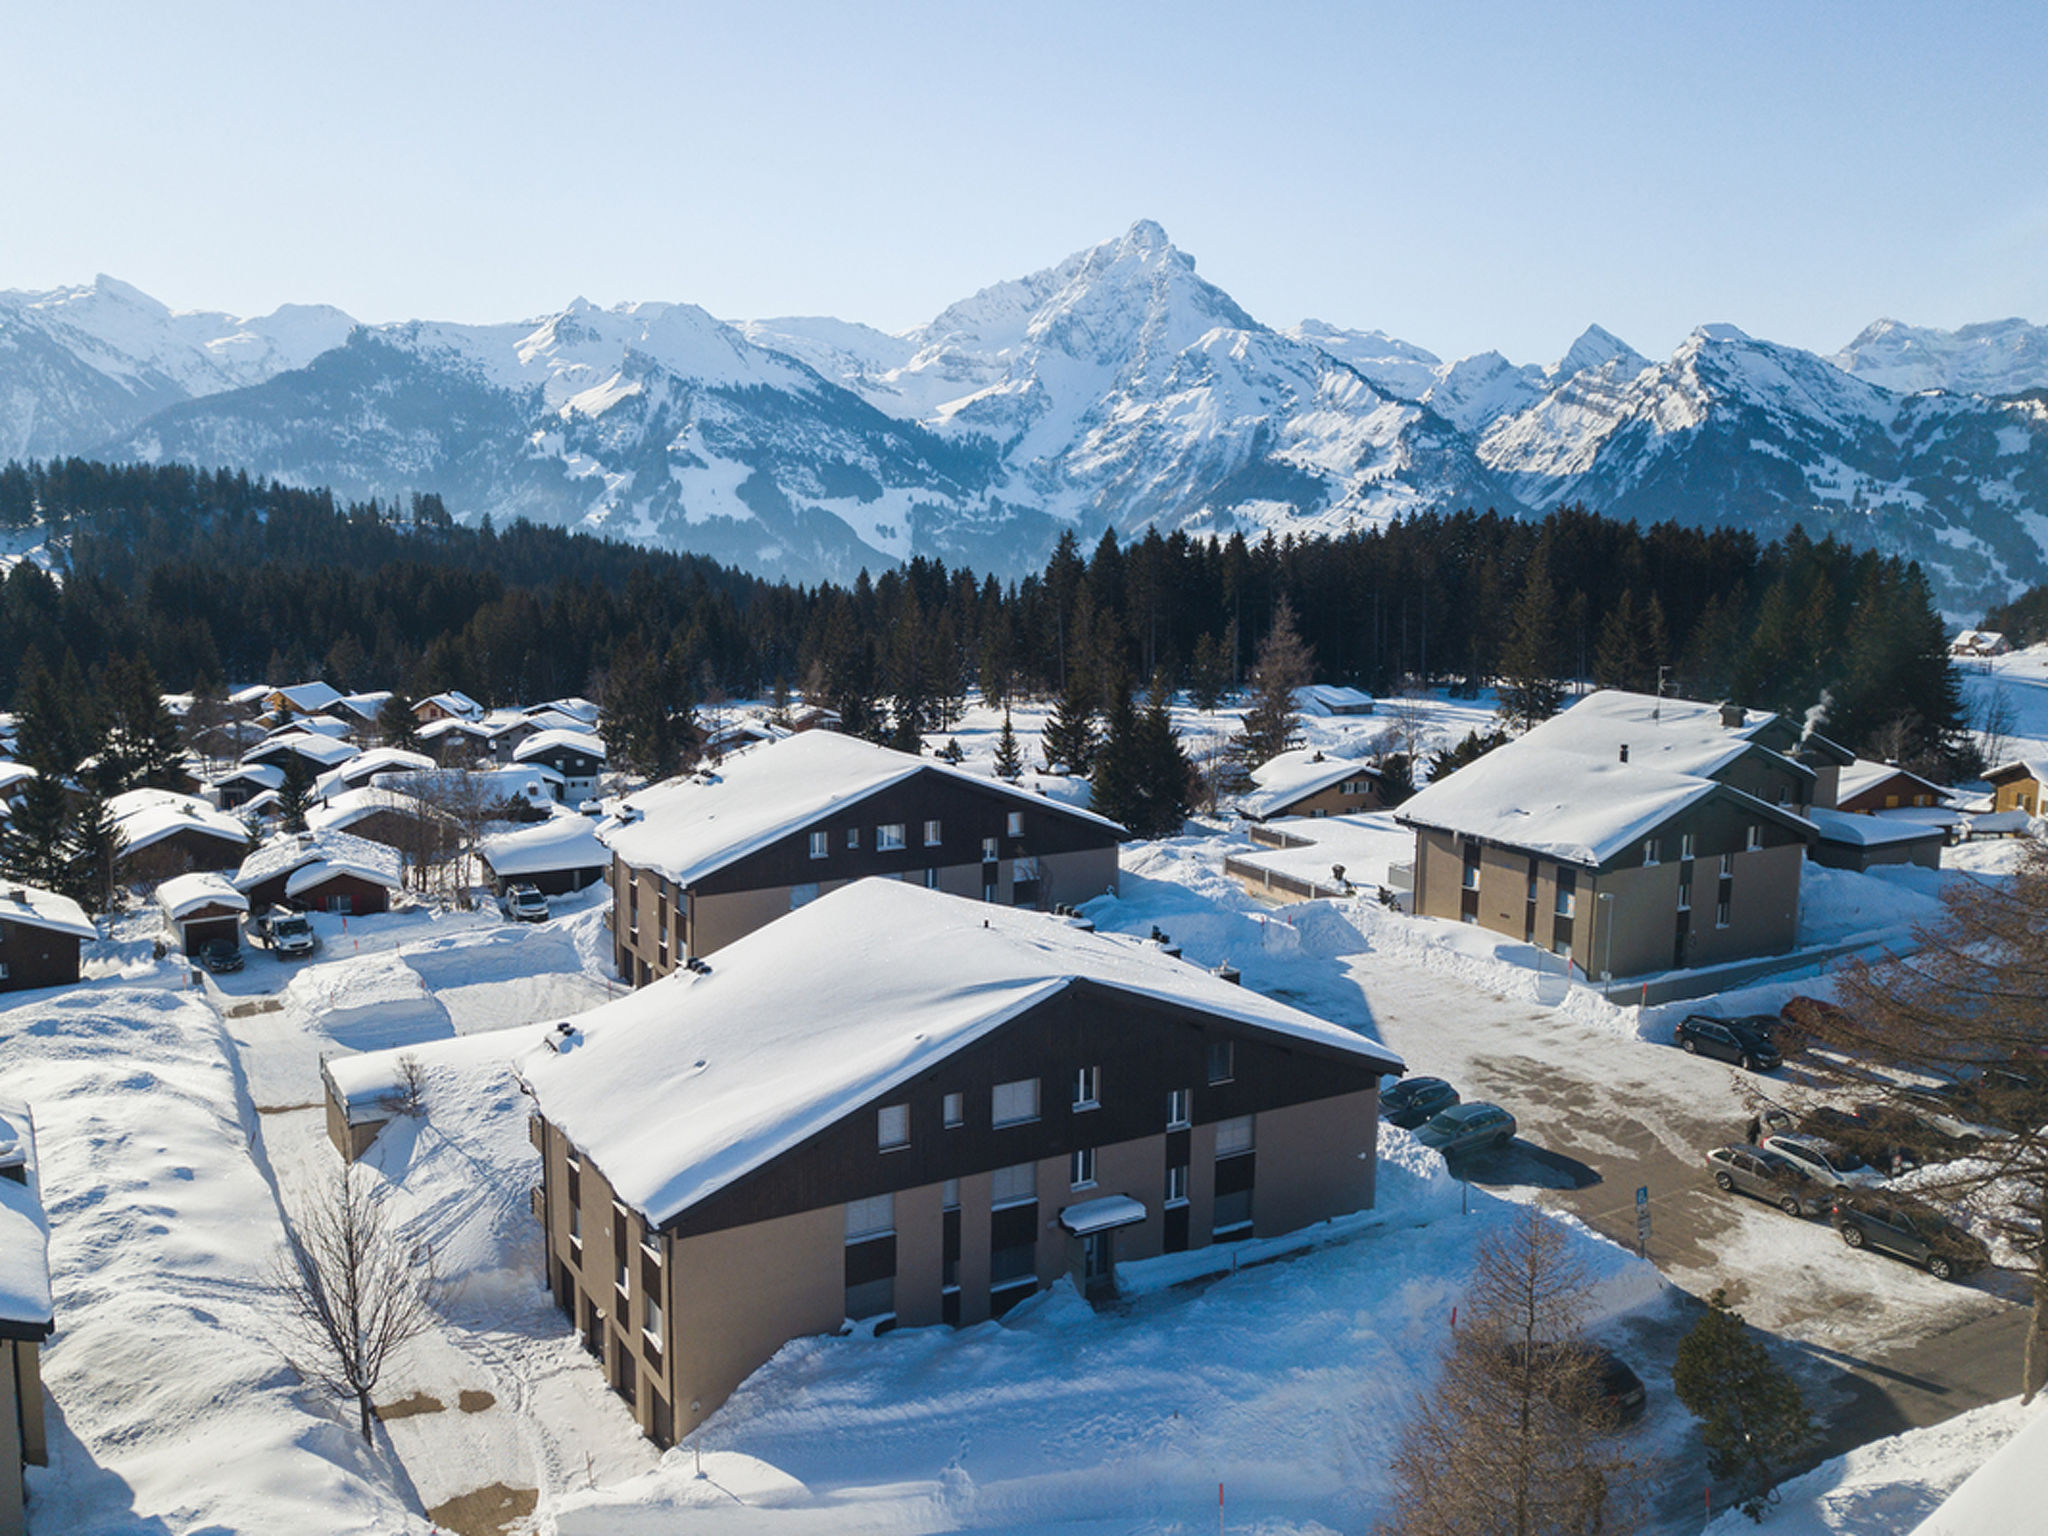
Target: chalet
{"x": 299, "y": 699}
{"x": 2017, "y": 786}
{"x": 164, "y": 833}
{"x": 1325, "y": 699}
{"x": 560, "y": 855}
{"x": 1304, "y": 782}
{"x": 199, "y": 908}
{"x": 12, "y": 777}
{"x": 814, "y": 717}
{"x": 361, "y": 710}
{"x": 1979, "y": 642}
{"x": 575, "y": 707}
{"x": 316, "y": 752}
{"x": 1861, "y": 841}
{"x": 419, "y": 831}
{"x": 1868, "y": 787}
{"x": 700, "y": 860}
{"x": 40, "y": 932}
{"x": 455, "y": 742}
{"x": 240, "y": 785}
{"x": 744, "y": 732}
{"x": 578, "y": 756}
{"x": 452, "y": 705}
{"x": 1629, "y": 834}
{"x": 364, "y": 768}
{"x": 326, "y": 871}
{"x": 333, "y": 727}
{"x": 28, "y": 1313}
{"x": 899, "y": 1106}
{"x": 504, "y": 729}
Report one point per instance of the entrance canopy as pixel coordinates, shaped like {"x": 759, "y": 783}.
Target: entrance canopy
{"x": 1103, "y": 1215}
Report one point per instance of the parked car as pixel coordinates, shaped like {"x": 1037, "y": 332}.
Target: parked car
{"x": 1942, "y": 1116}
{"x": 1414, "y": 1100}
{"x": 1468, "y": 1127}
{"x": 1997, "y": 1097}
{"x": 1910, "y": 1230}
{"x": 288, "y": 932}
{"x": 523, "y": 903}
{"x": 1769, "y": 1176}
{"x": 1788, "y": 1038}
{"x": 1702, "y": 1034}
{"x": 1617, "y": 1392}
{"x": 1814, "y": 1017}
{"x": 220, "y": 955}
{"x": 1836, "y": 1167}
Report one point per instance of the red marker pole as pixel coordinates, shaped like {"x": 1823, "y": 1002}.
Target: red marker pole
{"x": 1219, "y": 1509}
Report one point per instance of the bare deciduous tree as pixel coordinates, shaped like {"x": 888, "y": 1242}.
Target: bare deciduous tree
{"x": 355, "y": 1288}
{"x": 1968, "y": 1007}
{"x": 1510, "y": 1440}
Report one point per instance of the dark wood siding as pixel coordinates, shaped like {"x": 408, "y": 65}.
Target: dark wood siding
{"x": 966, "y": 814}
{"x": 36, "y": 957}
{"x": 1143, "y": 1048}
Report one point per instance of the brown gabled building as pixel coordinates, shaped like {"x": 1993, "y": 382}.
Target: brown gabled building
{"x": 27, "y": 1313}
{"x": 707, "y": 858}
{"x": 899, "y": 1107}
{"x": 40, "y": 932}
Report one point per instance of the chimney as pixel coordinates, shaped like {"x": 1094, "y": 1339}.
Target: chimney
{"x": 1624, "y": 751}
{"x": 1731, "y": 716}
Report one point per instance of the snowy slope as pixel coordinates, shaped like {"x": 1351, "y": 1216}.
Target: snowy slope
{"x": 1997, "y": 357}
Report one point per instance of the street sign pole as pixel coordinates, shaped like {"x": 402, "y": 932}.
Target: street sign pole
{"x": 1643, "y": 1222}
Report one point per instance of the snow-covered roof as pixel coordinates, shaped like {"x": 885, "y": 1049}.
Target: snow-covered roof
{"x": 1101, "y": 1214}
{"x": 365, "y": 706}
{"x": 185, "y": 894}
{"x": 361, "y": 768}
{"x": 692, "y": 1082}
{"x": 147, "y": 816}
{"x": 1292, "y": 776}
{"x": 1565, "y": 805}
{"x": 455, "y": 701}
{"x": 314, "y": 725}
{"x": 1682, "y": 735}
{"x": 2020, "y": 768}
{"x": 26, "y": 1306}
{"x": 687, "y": 827}
{"x": 567, "y": 841}
{"x": 13, "y": 776}
{"x": 328, "y": 847}
{"x": 269, "y": 775}
{"x": 38, "y": 908}
{"x": 541, "y": 742}
{"x": 255, "y": 693}
{"x": 1331, "y": 699}
{"x": 434, "y": 730}
{"x": 1864, "y": 774}
{"x": 541, "y": 720}
{"x": 1995, "y": 822}
{"x": 321, "y": 751}
{"x": 1861, "y": 831}
{"x": 306, "y": 698}
{"x": 574, "y": 706}
{"x": 345, "y": 810}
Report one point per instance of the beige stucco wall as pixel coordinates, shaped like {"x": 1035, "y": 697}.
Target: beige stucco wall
{"x": 1827, "y": 784}
{"x": 739, "y": 1295}
{"x": 1073, "y": 878}
{"x": 1764, "y": 909}
{"x": 1316, "y": 1161}
{"x": 351, "y": 1141}
{"x": 920, "y": 1254}
{"x": 974, "y": 1229}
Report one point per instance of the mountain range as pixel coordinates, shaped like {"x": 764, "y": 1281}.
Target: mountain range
{"x": 1118, "y": 389}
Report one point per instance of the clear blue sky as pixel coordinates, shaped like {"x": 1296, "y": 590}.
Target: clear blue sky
{"x": 1464, "y": 176}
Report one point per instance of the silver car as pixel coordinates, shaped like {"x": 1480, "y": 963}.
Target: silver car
{"x": 1467, "y": 1128}
{"x": 1836, "y": 1167}
{"x": 1769, "y": 1176}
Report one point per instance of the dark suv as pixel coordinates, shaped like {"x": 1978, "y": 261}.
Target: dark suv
{"x": 1415, "y": 1100}
{"x": 1912, "y": 1232}
{"x": 1701, "y": 1034}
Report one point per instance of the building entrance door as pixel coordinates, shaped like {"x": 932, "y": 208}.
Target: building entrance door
{"x": 1098, "y": 1268}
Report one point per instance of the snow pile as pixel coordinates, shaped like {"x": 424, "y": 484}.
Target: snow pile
{"x": 366, "y": 1002}
{"x": 1840, "y": 906}
{"x": 2006, "y": 1492}
{"x": 161, "y": 1226}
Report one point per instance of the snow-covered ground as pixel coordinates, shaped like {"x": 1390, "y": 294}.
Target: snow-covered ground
{"x": 174, "y": 1118}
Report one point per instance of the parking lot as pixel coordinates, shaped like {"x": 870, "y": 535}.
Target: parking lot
{"x": 1879, "y": 1345}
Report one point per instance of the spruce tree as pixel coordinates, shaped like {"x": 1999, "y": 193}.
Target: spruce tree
{"x": 1165, "y": 774}
{"x": 95, "y": 849}
{"x": 1529, "y": 690}
{"x": 1618, "y": 656}
{"x": 295, "y": 795}
{"x": 1009, "y": 760}
{"x": 1752, "y": 1417}
{"x": 1208, "y": 674}
{"x": 1068, "y": 738}
{"x": 1285, "y": 663}
{"x": 397, "y": 726}
{"x": 35, "y": 841}
{"x": 1117, "y": 776}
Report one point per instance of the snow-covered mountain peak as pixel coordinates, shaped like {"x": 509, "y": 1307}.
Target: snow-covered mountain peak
{"x": 1596, "y": 348}
{"x": 1993, "y": 357}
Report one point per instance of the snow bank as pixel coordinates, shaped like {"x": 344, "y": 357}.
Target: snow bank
{"x": 2007, "y": 1492}
{"x": 174, "y": 1412}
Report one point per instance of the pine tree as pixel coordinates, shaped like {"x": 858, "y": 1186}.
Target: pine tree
{"x": 1285, "y": 663}
{"x": 1209, "y": 673}
{"x": 1116, "y": 777}
{"x": 295, "y": 795}
{"x": 1068, "y": 738}
{"x": 1529, "y": 690}
{"x": 1009, "y": 760}
{"x": 1753, "y": 1419}
{"x": 138, "y": 745}
{"x": 1166, "y": 774}
{"x": 397, "y": 725}
{"x": 1618, "y": 655}
{"x": 35, "y": 841}
{"x": 94, "y": 853}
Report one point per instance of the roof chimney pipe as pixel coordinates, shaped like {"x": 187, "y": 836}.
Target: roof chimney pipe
{"x": 1731, "y": 716}
{"x": 1624, "y": 751}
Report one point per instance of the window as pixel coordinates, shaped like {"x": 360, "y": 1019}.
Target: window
{"x": 1471, "y": 866}
{"x": 1649, "y": 850}
{"x": 892, "y": 1127}
{"x": 1727, "y": 865}
{"x": 853, "y": 837}
{"x": 988, "y": 890}
{"x": 1177, "y": 1184}
{"x": 949, "y": 1195}
{"x": 652, "y": 1327}
{"x": 3, "y": 970}
{"x": 343, "y": 905}
{"x": 1180, "y": 1104}
{"x": 1685, "y": 895}
{"x": 1685, "y": 845}
{"x": 989, "y": 853}
{"x": 621, "y": 1277}
{"x": 955, "y": 1112}
{"x": 1023, "y": 869}
{"x": 1013, "y": 1185}
{"x": 1233, "y": 1136}
{"x": 1721, "y": 913}
{"x": 1755, "y": 840}
{"x": 889, "y": 837}
{"x": 1088, "y": 1088}
{"x": 1015, "y": 1103}
{"x": 821, "y": 844}
{"x": 803, "y": 895}
{"x": 1561, "y": 947}
{"x": 869, "y": 1218}
{"x": 1567, "y": 891}
{"x": 1015, "y": 825}
{"x": 1222, "y": 1061}
{"x": 576, "y": 1226}
{"x": 931, "y": 834}
{"x": 931, "y": 879}
{"x": 1081, "y": 1168}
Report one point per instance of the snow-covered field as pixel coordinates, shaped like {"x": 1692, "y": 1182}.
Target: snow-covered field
{"x": 174, "y": 1119}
